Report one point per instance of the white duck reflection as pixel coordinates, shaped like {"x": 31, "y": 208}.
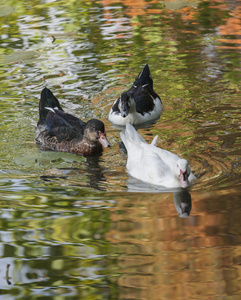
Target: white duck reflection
{"x": 182, "y": 198}
{"x": 183, "y": 203}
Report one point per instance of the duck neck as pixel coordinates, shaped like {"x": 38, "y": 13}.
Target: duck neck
{"x": 88, "y": 147}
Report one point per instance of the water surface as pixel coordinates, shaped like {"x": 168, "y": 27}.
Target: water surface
{"x": 77, "y": 228}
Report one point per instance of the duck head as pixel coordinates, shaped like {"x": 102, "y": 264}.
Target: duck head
{"x": 95, "y": 131}
{"x": 183, "y": 172}
{"x": 125, "y": 103}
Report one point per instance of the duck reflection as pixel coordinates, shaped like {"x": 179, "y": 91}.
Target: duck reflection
{"x": 95, "y": 174}
{"x": 182, "y": 198}
{"x": 183, "y": 203}
{"x": 90, "y": 170}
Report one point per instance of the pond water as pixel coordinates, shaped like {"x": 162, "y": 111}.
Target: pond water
{"x": 77, "y": 228}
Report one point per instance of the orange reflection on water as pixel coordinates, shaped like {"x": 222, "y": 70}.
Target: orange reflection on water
{"x": 165, "y": 257}
{"x": 134, "y": 8}
{"x": 233, "y": 24}
{"x": 232, "y": 27}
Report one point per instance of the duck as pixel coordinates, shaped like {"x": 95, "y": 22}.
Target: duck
{"x": 140, "y": 104}
{"x": 152, "y": 164}
{"x": 60, "y": 131}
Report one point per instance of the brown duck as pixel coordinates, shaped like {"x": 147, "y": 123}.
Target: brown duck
{"x": 60, "y": 131}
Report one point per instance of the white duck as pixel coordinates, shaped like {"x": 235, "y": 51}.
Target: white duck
{"x": 152, "y": 164}
{"x": 140, "y": 104}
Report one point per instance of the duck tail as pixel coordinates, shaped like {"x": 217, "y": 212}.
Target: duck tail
{"x": 144, "y": 77}
{"x": 130, "y": 136}
{"x": 154, "y": 141}
{"x": 47, "y": 101}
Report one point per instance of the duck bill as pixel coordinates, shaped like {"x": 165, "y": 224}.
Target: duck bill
{"x": 103, "y": 140}
{"x": 124, "y": 111}
{"x": 184, "y": 179}
{"x": 124, "y": 114}
{"x": 184, "y": 208}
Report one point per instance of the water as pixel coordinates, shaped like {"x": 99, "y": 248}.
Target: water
{"x": 77, "y": 228}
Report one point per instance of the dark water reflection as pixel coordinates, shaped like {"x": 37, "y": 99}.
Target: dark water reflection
{"x": 73, "y": 228}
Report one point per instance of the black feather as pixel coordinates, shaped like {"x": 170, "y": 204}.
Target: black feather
{"x": 47, "y": 99}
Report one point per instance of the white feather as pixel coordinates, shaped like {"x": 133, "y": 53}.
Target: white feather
{"x": 150, "y": 163}
{"x": 50, "y": 108}
{"x": 154, "y": 141}
{"x": 134, "y": 117}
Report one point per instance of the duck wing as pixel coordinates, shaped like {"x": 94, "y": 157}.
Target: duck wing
{"x": 154, "y": 167}
{"x": 143, "y": 99}
{"x": 159, "y": 170}
{"x": 47, "y": 100}
{"x": 148, "y": 162}
{"x": 143, "y": 161}
{"x": 64, "y": 126}
{"x": 168, "y": 157}
{"x": 145, "y": 164}
{"x": 55, "y": 121}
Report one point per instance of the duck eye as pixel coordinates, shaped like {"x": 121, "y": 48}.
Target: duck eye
{"x": 101, "y": 134}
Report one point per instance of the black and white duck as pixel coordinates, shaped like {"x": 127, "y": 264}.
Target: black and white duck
{"x": 140, "y": 104}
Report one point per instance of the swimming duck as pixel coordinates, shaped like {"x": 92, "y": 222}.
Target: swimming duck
{"x": 60, "y": 131}
{"x": 151, "y": 164}
{"x": 140, "y": 104}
